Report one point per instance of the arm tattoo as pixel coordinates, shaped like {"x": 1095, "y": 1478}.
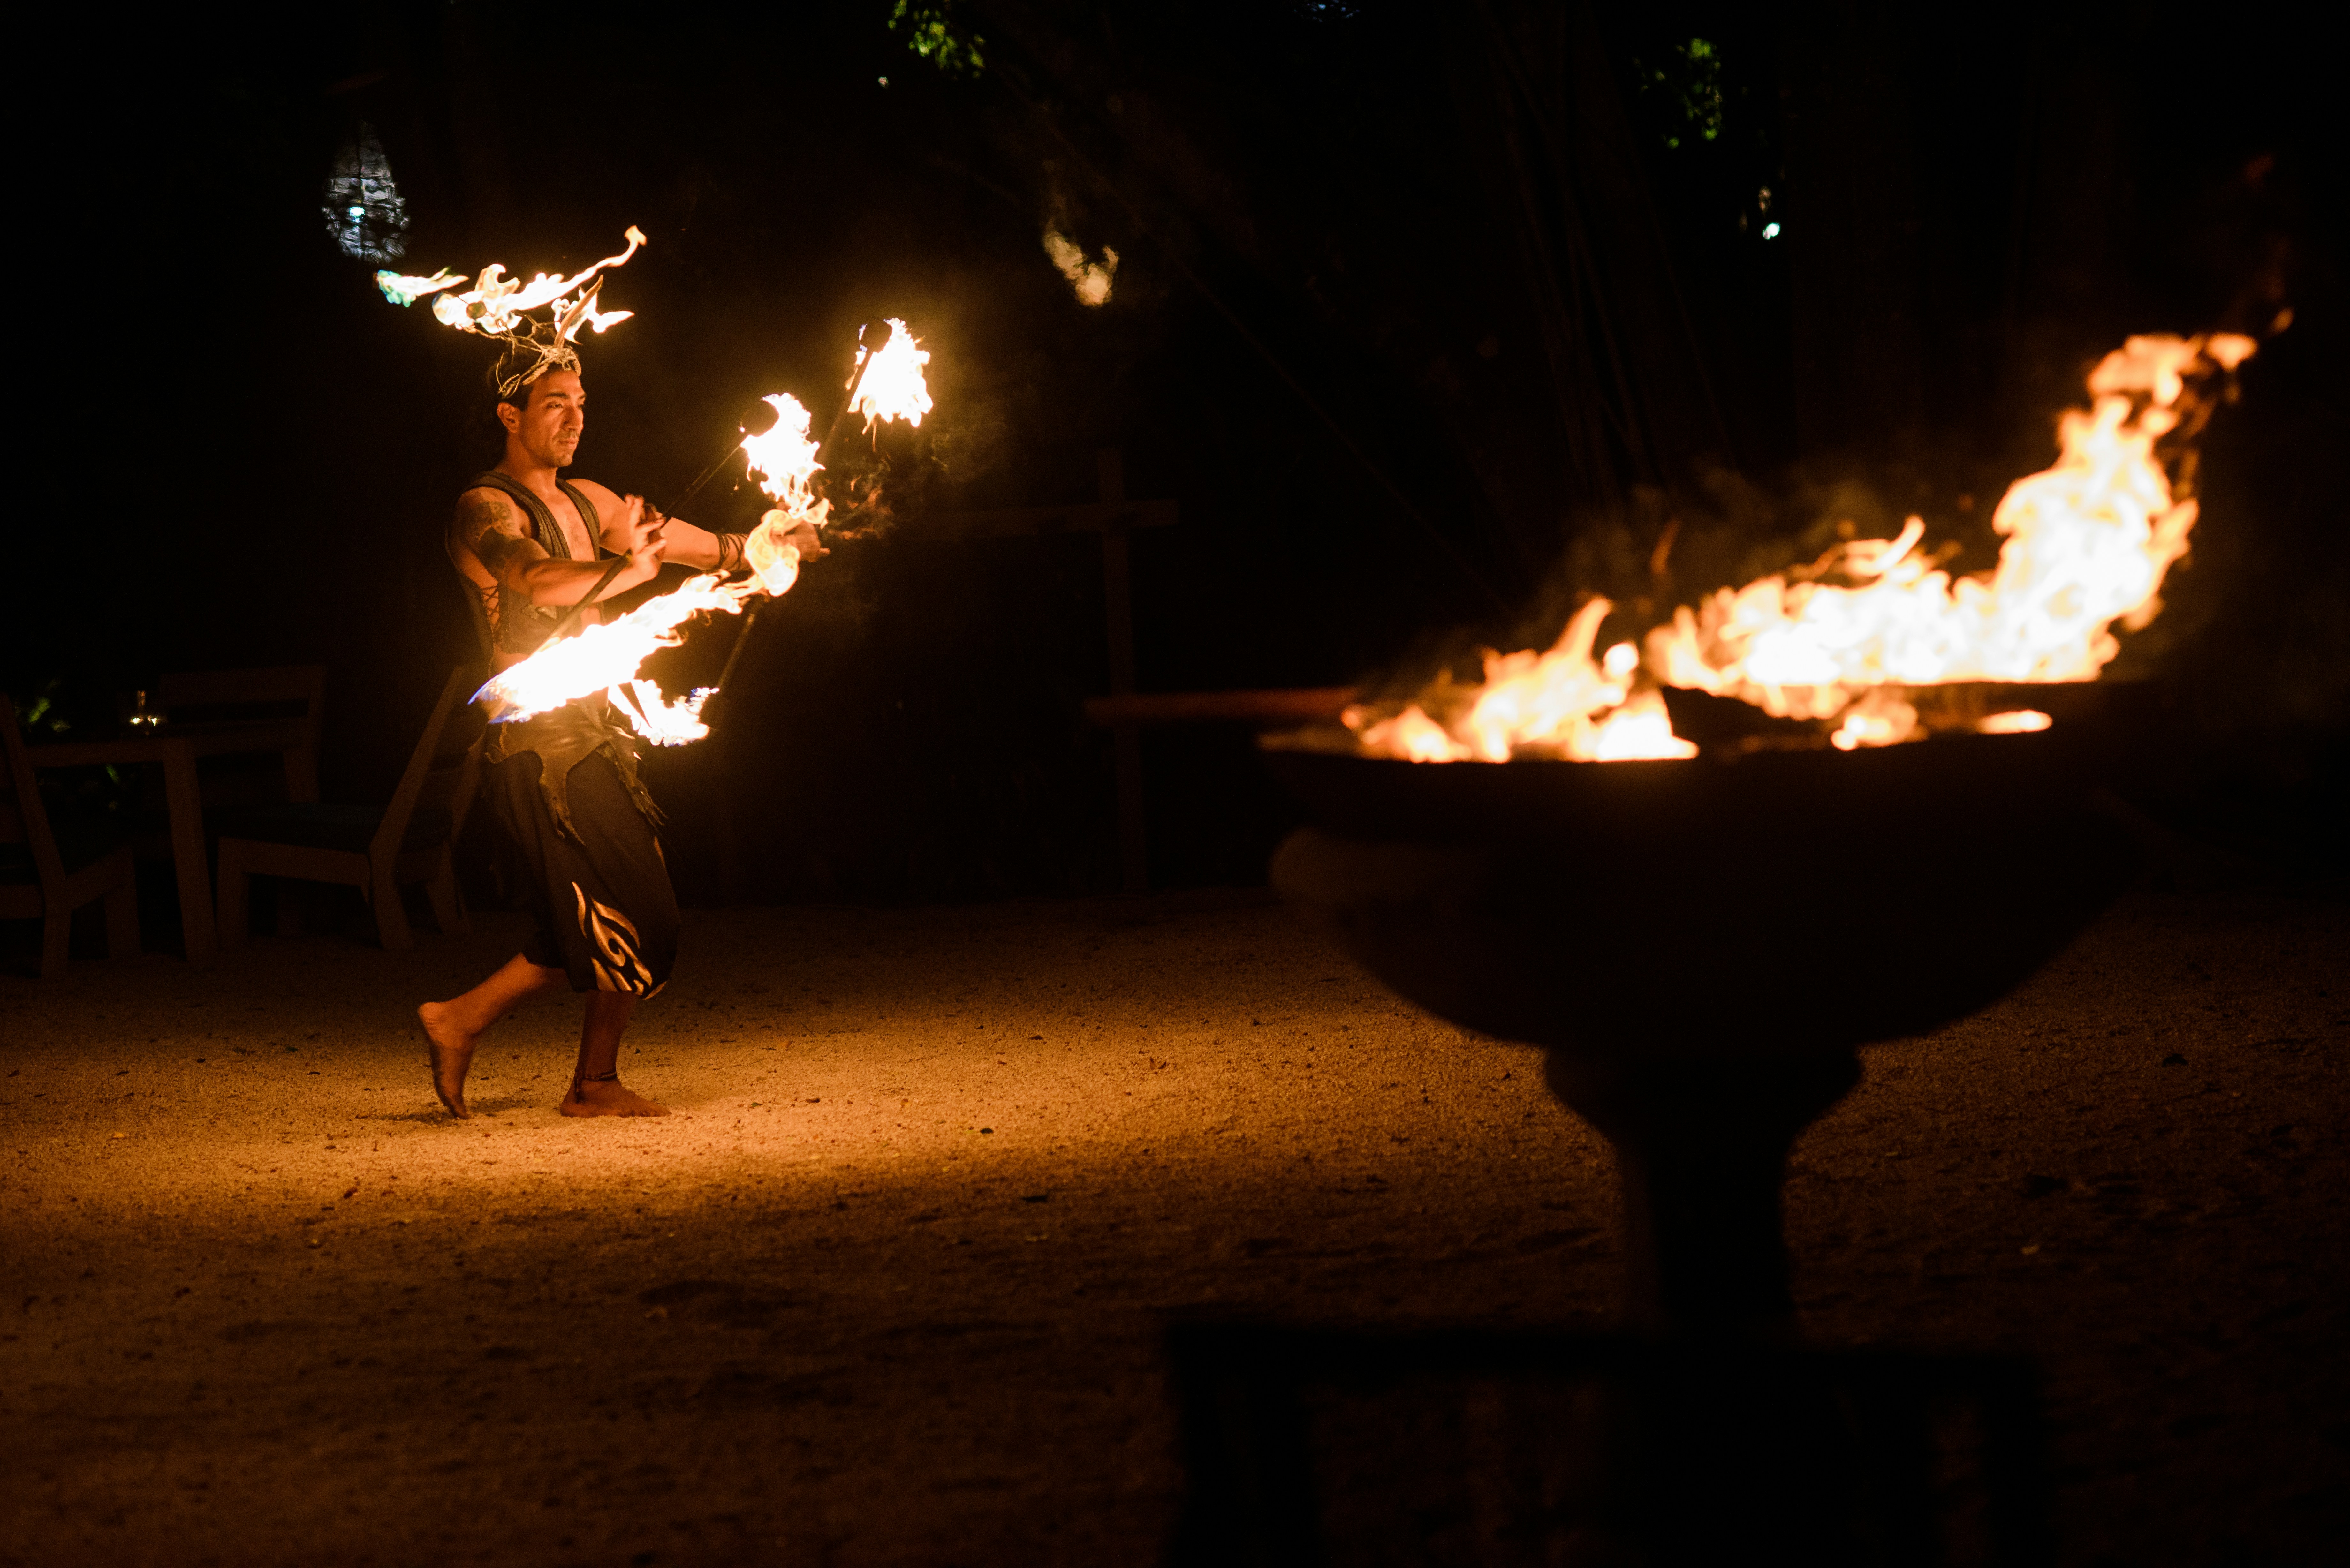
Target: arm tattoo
{"x": 501, "y": 541}
{"x": 492, "y": 531}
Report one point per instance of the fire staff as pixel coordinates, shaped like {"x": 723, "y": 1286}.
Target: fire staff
{"x": 563, "y": 783}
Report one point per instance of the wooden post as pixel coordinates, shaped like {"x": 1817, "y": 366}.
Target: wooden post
{"x": 1115, "y": 518}
{"x": 733, "y": 886}
{"x": 1118, "y": 610}
{"x": 181, "y": 789}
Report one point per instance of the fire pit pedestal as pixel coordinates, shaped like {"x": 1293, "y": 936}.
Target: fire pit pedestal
{"x": 1701, "y": 945}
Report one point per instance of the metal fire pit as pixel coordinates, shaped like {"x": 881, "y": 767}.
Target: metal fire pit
{"x": 1701, "y": 945}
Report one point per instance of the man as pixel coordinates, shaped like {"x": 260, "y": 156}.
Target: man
{"x": 565, "y": 784}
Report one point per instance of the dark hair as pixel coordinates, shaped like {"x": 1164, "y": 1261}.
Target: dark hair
{"x": 494, "y": 428}
{"x": 519, "y": 398}
{"x": 514, "y": 361}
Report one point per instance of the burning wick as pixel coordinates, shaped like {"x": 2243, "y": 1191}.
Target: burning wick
{"x": 2087, "y": 544}
{"x": 783, "y": 461}
{"x": 889, "y": 384}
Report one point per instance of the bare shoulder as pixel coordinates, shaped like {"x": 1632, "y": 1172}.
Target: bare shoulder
{"x": 611, "y": 513}
{"x": 485, "y": 509}
{"x": 488, "y": 522}
{"x": 605, "y": 502}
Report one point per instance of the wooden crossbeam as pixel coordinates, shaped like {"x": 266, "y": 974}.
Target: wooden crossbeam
{"x": 1113, "y": 517}
{"x": 1266, "y": 710}
{"x": 1021, "y": 522}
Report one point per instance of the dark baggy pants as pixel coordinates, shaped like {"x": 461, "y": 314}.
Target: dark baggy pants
{"x": 606, "y": 912}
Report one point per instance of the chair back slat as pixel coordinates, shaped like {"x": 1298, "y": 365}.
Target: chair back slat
{"x": 450, "y": 783}
{"x": 469, "y": 784}
{"x": 32, "y": 819}
{"x": 282, "y": 686}
{"x": 195, "y": 697}
{"x": 404, "y": 800}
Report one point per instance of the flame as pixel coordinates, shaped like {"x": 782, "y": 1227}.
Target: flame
{"x": 1091, "y": 279}
{"x": 404, "y": 290}
{"x": 663, "y": 722}
{"x": 891, "y": 386}
{"x": 1555, "y": 705}
{"x": 1410, "y": 734}
{"x": 2088, "y": 542}
{"x": 606, "y": 658}
{"x": 495, "y": 303}
{"x": 1639, "y": 730}
{"x": 1881, "y": 718}
{"x": 784, "y": 462}
{"x": 2022, "y": 722}
{"x": 569, "y": 318}
{"x": 1548, "y": 703}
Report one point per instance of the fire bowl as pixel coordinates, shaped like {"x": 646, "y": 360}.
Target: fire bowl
{"x": 1772, "y": 903}
{"x": 1701, "y": 945}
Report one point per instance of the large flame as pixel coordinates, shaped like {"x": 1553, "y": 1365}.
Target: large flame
{"x": 784, "y": 461}
{"x": 606, "y": 658}
{"x": 1557, "y": 703}
{"x": 891, "y": 386}
{"x": 495, "y": 305}
{"x": 2088, "y": 542}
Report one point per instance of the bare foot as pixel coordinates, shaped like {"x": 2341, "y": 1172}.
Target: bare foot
{"x": 451, "y": 1052}
{"x": 607, "y": 1098}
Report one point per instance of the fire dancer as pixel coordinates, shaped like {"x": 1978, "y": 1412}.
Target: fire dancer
{"x": 565, "y": 782}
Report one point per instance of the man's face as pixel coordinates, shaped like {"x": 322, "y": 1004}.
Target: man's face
{"x": 549, "y": 430}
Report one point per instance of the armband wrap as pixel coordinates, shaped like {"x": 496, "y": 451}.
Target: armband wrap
{"x": 730, "y": 552}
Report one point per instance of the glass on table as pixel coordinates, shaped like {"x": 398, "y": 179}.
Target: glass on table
{"x": 139, "y": 718}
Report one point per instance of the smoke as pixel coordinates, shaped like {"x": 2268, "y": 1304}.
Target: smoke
{"x": 1090, "y": 279}
{"x": 872, "y": 480}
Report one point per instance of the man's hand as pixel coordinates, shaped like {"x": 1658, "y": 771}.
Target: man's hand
{"x": 644, "y": 526}
{"x": 804, "y": 539}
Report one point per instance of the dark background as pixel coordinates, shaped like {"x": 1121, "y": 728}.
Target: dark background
{"x": 1430, "y": 317}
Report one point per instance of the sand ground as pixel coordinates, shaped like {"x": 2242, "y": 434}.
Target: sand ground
{"x": 889, "y": 1287}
